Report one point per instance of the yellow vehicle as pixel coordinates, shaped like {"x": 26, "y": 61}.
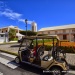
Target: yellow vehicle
{"x": 52, "y": 60}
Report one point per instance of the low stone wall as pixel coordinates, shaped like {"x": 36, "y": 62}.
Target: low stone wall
{"x": 70, "y": 58}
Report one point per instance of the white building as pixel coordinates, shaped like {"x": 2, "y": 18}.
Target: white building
{"x": 65, "y": 32}
{"x": 3, "y": 37}
{"x": 5, "y": 30}
{"x": 34, "y": 27}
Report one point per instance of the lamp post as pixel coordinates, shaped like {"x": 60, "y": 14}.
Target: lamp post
{"x": 26, "y": 25}
{"x": 26, "y": 29}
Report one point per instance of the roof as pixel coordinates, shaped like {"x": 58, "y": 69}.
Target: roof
{"x": 43, "y": 37}
{"x": 58, "y": 27}
{"x": 20, "y": 29}
{"x": 11, "y": 26}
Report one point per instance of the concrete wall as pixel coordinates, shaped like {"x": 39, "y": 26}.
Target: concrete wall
{"x": 2, "y": 39}
{"x": 67, "y": 31}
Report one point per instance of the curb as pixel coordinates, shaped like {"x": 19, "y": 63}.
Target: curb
{"x": 9, "y": 52}
{"x": 7, "y": 43}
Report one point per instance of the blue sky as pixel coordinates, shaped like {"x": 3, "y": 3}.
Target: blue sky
{"x": 45, "y": 13}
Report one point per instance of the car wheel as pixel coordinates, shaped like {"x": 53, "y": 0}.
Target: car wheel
{"x": 17, "y": 60}
{"x": 56, "y": 71}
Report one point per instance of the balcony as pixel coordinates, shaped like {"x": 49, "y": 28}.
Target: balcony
{"x": 63, "y": 33}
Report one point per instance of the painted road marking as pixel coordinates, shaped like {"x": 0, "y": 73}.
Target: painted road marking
{"x": 8, "y": 63}
{"x": 1, "y": 73}
{"x": 9, "y": 55}
{"x": 73, "y": 72}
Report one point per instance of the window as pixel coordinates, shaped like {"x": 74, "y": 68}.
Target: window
{"x": 64, "y": 37}
{"x": 6, "y": 30}
{"x": 48, "y": 32}
{"x": 73, "y": 30}
{"x": 64, "y": 31}
{"x": 74, "y": 35}
{"x": 2, "y": 31}
{"x": 2, "y": 35}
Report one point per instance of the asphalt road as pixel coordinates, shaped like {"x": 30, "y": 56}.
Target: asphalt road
{"x": 18, "y": 71}
{"x": 23, "y": 69}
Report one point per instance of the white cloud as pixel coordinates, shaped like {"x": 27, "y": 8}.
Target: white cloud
{"x": 13, "y": 15}
{"x": 29, "y": 22}
{"x": 4, "y": 11}
{"x": 23, "y": 20}
{"x": 10, "y": 14}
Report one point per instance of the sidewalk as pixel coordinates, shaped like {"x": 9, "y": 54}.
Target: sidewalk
{"x": 70, "y": 58}
{"x": 14, "y": 47}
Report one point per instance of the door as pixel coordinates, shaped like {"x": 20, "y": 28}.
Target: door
{"x": 46, "y": 61}
{"x": 74, "y": 37}
{"x": 25, "y": 55}
{"x": 64, "y": 37}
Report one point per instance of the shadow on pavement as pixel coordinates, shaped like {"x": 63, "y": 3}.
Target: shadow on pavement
{"x": 72, "y": 67}
{"x": 17, "y": 46}
{"x": 32, "y": 69}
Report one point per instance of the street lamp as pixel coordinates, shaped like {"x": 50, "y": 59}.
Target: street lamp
{"x": 26, "y": 29}
{"x": 26, "y": 25}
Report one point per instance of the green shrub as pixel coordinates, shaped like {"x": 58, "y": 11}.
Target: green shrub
{"x": 29, "y": 33}
{"x": 68, "y": 50}
{"x": 14, "y": 39}
{"x": 65, "y": 49}
{"x": 47, "y": 47}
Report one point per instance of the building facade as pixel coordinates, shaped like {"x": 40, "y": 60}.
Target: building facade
{"x": 34, "y": 27}
{"x": 4, "y": 36}
{"x": 65, "y": 32}
{"x": 6, "y": 29}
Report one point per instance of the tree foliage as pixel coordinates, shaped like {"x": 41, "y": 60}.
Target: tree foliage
{"x": 29, "y": 33}
{"x": 42, "y": 34}
{"x": 12, "y": 34}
